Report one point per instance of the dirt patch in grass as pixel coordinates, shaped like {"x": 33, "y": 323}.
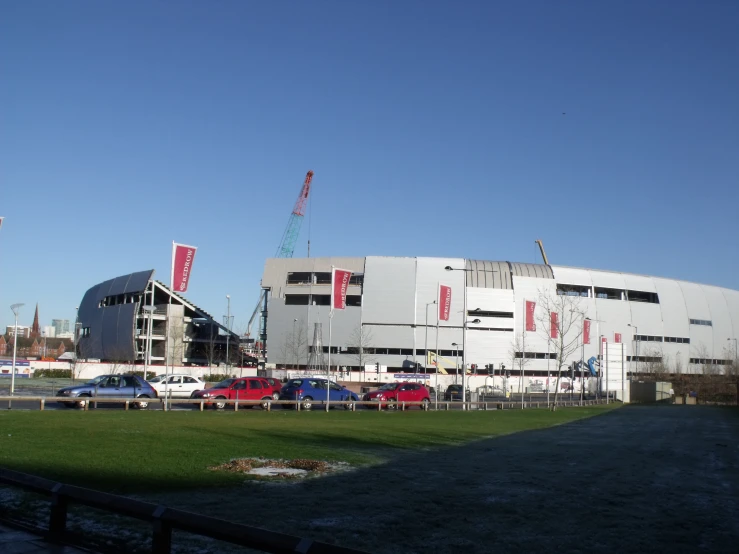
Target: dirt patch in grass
{"x": 280, "y": 469}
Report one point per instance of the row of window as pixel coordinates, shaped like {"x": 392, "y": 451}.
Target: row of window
{"x": 607, "y": 293}
{"x": 701, "y": 322}
{"x": 650, "y": 338}
{"x": 483, "y": 313}
{"x": 379, "y": 350}
{"x": 644, "y": 359}
{"x": 536, "y": 355}
{"x": 709, "y": 361}
{"x": 116, "y": 299}
{"x": 319, "y": 300}
{"x": 318, "y": 278}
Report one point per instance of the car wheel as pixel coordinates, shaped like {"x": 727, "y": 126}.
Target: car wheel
{"x": 392, "y": 404}
{"x": 219, "y": 405}
{"x": 349, "y": 405}
{"x": 265, "y": 402}
{"x": 307, "y": 403}
{"x": 81, "y": 403}
{"x": 142, "y": 405}
{"x": 275, "y": 396}
{"x": 425, "y": 404}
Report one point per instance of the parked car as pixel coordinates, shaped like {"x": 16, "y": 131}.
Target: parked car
{"x": 276, "y": 386}
{"x": 391, "y": 393}
{"x": 126, "y": 386}
{"x": 177, "y": 385}
{"x": 313, "y": 389}
{"x": 241, "y": 388}
{"x": 454, "y": 392}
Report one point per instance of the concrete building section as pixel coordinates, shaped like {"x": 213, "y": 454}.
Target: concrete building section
{"x": 657, "y": 319}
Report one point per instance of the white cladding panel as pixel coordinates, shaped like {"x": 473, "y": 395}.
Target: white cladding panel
{"x": 389, "y": 290}
{"x": 732, "y": 301}
{"x": 430, "y": 272}
{"x": 572, "y": 276}
{"x": 672, "y": 305}
{"x": 639, "y": 282}
{"x": 649, "y": 317}
{"x": 606, "y": 279}
{"x": 721, "y": 321}
{"x": 695, "y": 301}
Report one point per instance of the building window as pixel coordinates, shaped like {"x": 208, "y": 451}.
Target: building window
{"x": 709, "y": 361}
{"x": 297, "y": 299}
{"x": 573, "y": 290}
{"x": 483, "y": 313}
{"x": 679, "y": 340}
{"x": 353, "y": 300}
{"x": 299, "y": 278}
{"x": 647, "y": 338}
{"x": 609, "y": 294}
{"x": 322, "y": 278}
{"x": 701, "y": 322}
{"x": 653, "y": 359}
{"x": 640, "y": 296}
{"x": 321, "y": 299}
{"x": 537, "y": 355}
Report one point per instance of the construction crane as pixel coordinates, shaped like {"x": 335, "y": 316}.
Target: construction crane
{"x": 543, "y": 254}
{"x": 285, "y": 249}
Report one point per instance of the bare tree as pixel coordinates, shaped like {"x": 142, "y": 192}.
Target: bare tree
{"x": 362, "y": 348}
{"x": 568, "y": 326}
{"x": 518, "y": 361}
{"x": 294, "y": 347}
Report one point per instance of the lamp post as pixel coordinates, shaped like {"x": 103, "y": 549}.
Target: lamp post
{"x": 296, "y": 343}
{"x": 16, "y": 308}
{"x": 456, "y": 363}
{"x": 228, "y": 335}
{"x": 426, "y": 339}
{"x": 74, "y": 338}
{"x": 636, "y": 339}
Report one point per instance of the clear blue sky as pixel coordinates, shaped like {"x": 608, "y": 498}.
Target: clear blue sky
{"x": 434, "y": 129}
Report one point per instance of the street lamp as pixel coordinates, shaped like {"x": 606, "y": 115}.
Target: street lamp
{"x": 228, "y": 334}
{"x": 464, "y": 327}
{"x": 456, "y": 363}
{"x": 16, "y": 308}
{"x": 297, "y": 345}
{"x": 636, "y": 339}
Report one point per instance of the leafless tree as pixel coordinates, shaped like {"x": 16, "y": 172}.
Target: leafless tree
{"x": 518, "y": 361}
{"x": 361, "y": 349}
{"x": 569, "y": 327}
{"x": 294, "y": 347}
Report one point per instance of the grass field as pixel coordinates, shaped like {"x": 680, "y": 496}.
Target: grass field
{"x": 130, "y": 452}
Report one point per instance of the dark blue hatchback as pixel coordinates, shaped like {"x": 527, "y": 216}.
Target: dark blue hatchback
{"x": 308, "y": 390}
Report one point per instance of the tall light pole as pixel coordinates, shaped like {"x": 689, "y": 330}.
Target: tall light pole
{"x": 426, "y": 339}
{"x": 228, "y": 335}
{"x": 464, "y": 326}
{"x": 636, "y": 339}
{"x": 456, "y": 363}
{"x": 16, "y": 308}
{"x": 297, "y": 344}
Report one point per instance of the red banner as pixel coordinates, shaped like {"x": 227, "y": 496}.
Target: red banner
{"x": 445, "y": 302}
{"x": 617, "y": 338}
{"x": 182, "y": 258}
{"x": 530, "y": 324}
{"x": 553, "y": 328}
{"x": 586, "y": 332}
{"x": 339, "y": 285}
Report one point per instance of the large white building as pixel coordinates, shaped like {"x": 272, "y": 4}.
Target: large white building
{"x": 688, "y": 326}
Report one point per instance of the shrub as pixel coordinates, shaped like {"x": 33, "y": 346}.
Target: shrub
{"x": 215, "y": 377}
{"x": 53, "y": 373}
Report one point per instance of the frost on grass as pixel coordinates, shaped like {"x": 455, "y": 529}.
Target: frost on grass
{"x": 280, "y": 469}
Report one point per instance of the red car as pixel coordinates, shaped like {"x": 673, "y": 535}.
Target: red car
{"x": 392, "y": 393}
{"x": 276, "y": 386}
{"x": 243, "y": 388}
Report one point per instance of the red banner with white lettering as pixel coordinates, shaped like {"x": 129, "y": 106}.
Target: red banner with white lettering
{"x": 445, "y": 302}
{"x": 182, "y": 258}
{"x": 617, "y": 338}
{"x": 339, "y": 285}
{"x": 586, "y": 332}
{"x": 530, "y": 324}
{"x": 553, "y": 327}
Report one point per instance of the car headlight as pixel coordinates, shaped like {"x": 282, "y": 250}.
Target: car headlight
{"x": 64, "y": 393}
{"x": 206, "y": 395}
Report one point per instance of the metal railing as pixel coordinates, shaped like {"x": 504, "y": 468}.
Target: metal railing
{"x": 87, "y": 401}
{"x": 163, "y": 519}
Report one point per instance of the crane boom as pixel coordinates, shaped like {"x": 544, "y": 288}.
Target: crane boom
{"x": 290, "y": 237}
{"x": 543, "y": 254}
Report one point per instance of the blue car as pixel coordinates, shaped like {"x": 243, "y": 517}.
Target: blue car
{"x": 118, "y": 386}
{"x": 309, "y": 390}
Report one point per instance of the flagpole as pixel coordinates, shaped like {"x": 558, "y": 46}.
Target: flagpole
{"x": 549, "y": 338}
{"x": 436, "y": 354}
{"x": 169, "y": 330}
{"x": 523, "y": 347}
{"x": 330, "y": 319}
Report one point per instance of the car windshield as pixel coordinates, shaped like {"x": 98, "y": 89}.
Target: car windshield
{"x": 455, "y": 387}
{"x": 96, "y": 380}
{"x": 157, "y": 379}
{"x": 389, "y": 386}
{"x": 294, "y": 383}
{"x": 224, "y": 384}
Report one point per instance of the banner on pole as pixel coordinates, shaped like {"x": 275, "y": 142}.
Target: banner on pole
{"x": 553, "y": 328}
{"x": 530, "y": 323}
{"x": 183, "y": 257}
{"x": 586, "y": 332}
{"x": 445, "y": 302}
{"x": 617, "y": 338}
{"x": 339, "y": 285}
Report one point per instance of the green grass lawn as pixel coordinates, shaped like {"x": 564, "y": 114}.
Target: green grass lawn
{"x": 128, "y": 452}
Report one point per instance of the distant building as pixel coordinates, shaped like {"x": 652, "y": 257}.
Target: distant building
{"x": 23, "y": 331}
{"x": 36, "y": 328}
{"x": 48, "y": 331}
{"x": 60, "y": 325}
{"x": 65, "y": 336}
